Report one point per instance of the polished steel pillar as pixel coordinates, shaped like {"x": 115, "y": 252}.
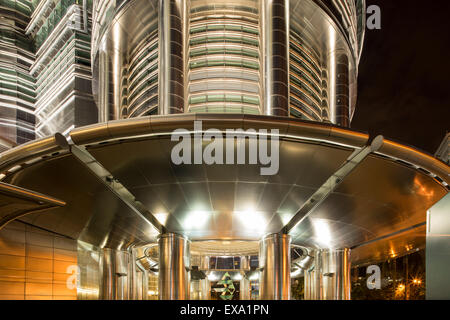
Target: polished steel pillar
{"x": 171, "y": 65}
{"x": 336, "y": 274}
{"x": 244, "y": 289}
{"x": 114, "y": 275}
{"x": 275, "y": 265}
{"x": 204, "y": 263}
{"x": 138, "y": 279}
{"x": 245, "y": 263}
{"x": 174, "y": 264}
{"x": 275, "y": 26}
{"x": 107, "y": 283}
{"x": 329, "y": 279}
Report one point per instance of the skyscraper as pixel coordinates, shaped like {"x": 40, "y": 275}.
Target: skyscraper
{"x": 298, "y": 59}
{"x": 46, "y": 69}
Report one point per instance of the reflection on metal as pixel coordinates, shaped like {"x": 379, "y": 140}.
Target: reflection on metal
{"x": 329, "y": 279}
{"x": 174, "y": 264}
{"x": 17, "y": 202}
{"x": 171, "y": 82}
{"x": 438, "y": 250}
{"x": 332, "y": 183}
{"x": 116, "y": 187}
{"x": 275, "y": 265}
{"x": 303, "y": 263}
{"x": 335, "y": 272}
{"x": 276, "y": 56}
{"x": 396, "y": 244}
{"x": 244, "y": 289}
{"x": 281, "y": 57}
{"x": 114, "y": 274}
{"x": 398, "y": 183}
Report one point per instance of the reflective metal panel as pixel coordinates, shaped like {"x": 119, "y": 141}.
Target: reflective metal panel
{"x": 275, "y": 264}
{"x": 174, "y": 263}
{"x": 383, "y": 195}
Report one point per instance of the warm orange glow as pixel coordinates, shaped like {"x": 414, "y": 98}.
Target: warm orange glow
{"x": 393, "y": 255}
{"x": 400, "y": 289}
{"x": 417, "y": 281}
{"x": 421, "y": 190}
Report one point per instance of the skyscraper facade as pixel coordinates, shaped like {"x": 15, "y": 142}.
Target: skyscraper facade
{"x": 46, "y": 69}
{"x": 288, "y": 58}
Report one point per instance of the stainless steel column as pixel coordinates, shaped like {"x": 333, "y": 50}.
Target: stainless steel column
{"x": 107, "y": 281}
{"x": 205, "y": 289}
{"x": 275, "y": 26}
{"x": 336, "y": 274}
{"x": 275, "y": 264}
{"x": 174, "y": 263}
{"x": 171, "y": 82}
{"x": 244, "y": 289}
{"x": 114, "y": 274}
{"x": 121, "y": 275}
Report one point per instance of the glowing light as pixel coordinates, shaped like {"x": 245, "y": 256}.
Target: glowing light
{"x": 161, "y": 217}
{"x": 237, "y": 277}
{"x": 322, "y": 232}
{"x": 393, "y": 254}
{"x": 87, "y": 290}
{"x": 400, "y": 289}
{"x": 254, "y": 276}
{"x": 196, "y": 219}
{"x": 252, "y": 220}
{"x": 213, "y": 276}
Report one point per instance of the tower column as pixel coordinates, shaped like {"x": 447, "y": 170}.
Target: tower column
{"x": 275, "y": 26}
{"x": 171, "y": 82}
{"x": 174, "y": 263}
{"x": 275, "y": 265}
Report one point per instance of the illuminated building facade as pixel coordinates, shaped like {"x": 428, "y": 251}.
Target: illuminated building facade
{"x": 17, "y": 87}
{"x": 46, "y": 68}
{"x": 297, "y": 58}
{"x": 135, "y": 224}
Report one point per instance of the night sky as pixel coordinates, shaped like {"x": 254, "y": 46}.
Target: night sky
{"x": 404, "y": 72}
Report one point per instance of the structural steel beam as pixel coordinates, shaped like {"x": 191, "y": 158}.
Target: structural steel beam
{"x": 42, "y": 202}
{"x": 115, "y": 186}
{"x": 332, "y": 183}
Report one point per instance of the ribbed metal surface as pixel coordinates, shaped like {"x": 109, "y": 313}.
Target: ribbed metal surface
{"x": 224, "y": 56}
{"x": 17, "y": 87}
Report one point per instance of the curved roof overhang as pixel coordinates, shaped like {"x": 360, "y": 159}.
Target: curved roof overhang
{"x": 384, "y": 197}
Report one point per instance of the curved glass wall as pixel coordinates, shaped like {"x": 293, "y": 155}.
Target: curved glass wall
{"x": 224, "y": 56}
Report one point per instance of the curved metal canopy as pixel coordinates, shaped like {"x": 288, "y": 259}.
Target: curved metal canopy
{"x": 122, "y": 189}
